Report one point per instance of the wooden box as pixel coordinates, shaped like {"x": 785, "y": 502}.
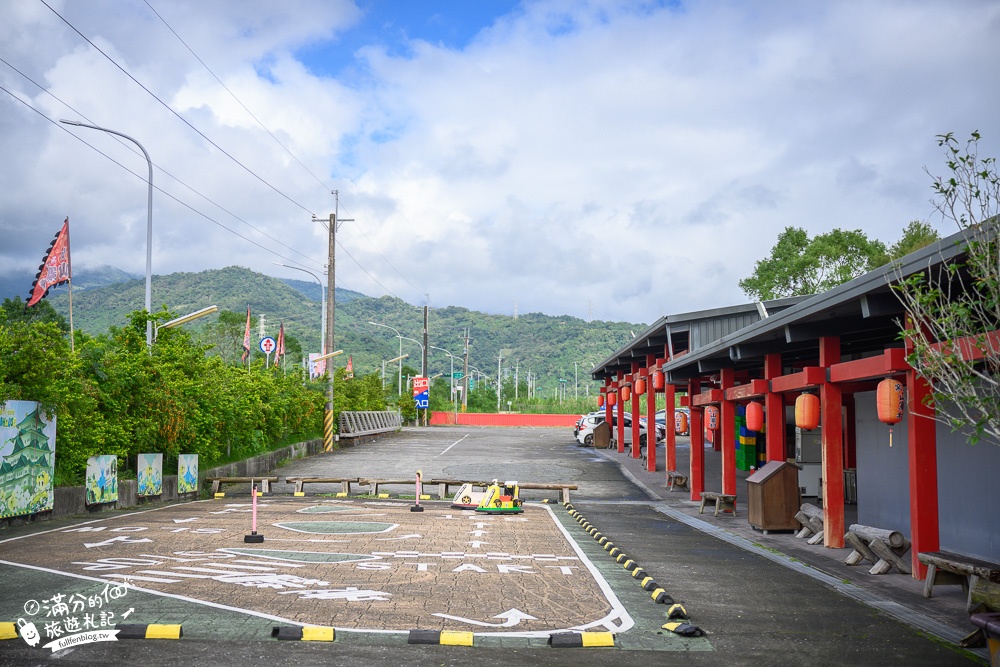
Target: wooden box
{"x": 773, "y": 497}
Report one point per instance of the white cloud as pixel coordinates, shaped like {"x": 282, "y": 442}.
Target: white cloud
{"x": 618, "y": 158}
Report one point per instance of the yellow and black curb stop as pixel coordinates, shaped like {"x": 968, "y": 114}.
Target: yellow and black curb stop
{"x": 151, "y": 631}
{"x": 8, "y": 631}
{"x": 441, "y": 637}
{"x": 306, "y": 633}
{"x": 581, "y": 639}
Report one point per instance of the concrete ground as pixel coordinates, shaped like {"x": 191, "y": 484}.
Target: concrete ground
{"x": 759, "y": 598}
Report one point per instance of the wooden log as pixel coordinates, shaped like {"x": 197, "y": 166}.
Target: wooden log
{"x": 985, "y": 593}
{"x": 803, "y": 518}
{"x": 805, "y": 532}
{"x": 812, "y": 510}
{"x": 854, "y": 558}
{"x": 892, "y": 538}
{"x": 816, "y": 524}
{"x": 816, "y": 539}
{"x": 880, "y": 567}
{"x": 861, "y": 547}
{"x": 885, "y": 553}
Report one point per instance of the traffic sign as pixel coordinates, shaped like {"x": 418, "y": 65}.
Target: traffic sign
{"x": 267, "y": 345}
{"x": 422, "y": 400}
{"x": 420, "y": 384}
{"x": 457, "y": 375}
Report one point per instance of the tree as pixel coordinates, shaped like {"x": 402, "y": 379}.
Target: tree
{"x": 916, "y": 235}
{"x": 799, "y": 266}
{"x": 960, "y": 302}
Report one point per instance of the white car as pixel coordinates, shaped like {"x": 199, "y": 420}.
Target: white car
{"x": 586, "y": 434}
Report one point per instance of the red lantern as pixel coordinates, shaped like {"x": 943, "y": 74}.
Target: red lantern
{"x": 600, "y": 400}
{"x": 712, "y": 417}
{"x": 807, "y": 411}
{"x": 612, "y": 398}
{"x": 626, "y": 392}
{"x": 657, "y": 377}
{"x": 640, "y": 387}
{"x": 890, "y": 399}
{"x": 680, "y": 422}
{"x": 755, "y": 416}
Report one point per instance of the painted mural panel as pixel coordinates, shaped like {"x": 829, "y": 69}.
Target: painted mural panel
{"x": 27, "y": 458}
{"x": 187, "y": 473}
{"x": 102, "y": 479}
{"x": 150, "y": 469}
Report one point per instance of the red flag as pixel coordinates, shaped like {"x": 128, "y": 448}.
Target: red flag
{"x": 349, "y": 371}
{"x": 280, "y": 349}
{"x": 55, "y": 268}
{"x": 246, "y": 337}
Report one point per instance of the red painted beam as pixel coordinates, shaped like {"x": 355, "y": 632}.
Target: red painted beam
{"x": 744, "y": 392}
{"x": 707, "y": 397}
{"x": 808, "y": 377}
{"x": 891, "y": 362}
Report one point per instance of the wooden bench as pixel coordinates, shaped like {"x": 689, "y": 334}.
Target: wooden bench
{"x": 563, "y": 489}
{"x": 945, "y": 568}
{"x": 675, "y": 478}
{"x": 723, "y": 501}
{"x": 265, "y": 482}
{"x": 443, "y": 485}
{"x": 300, "y": 482}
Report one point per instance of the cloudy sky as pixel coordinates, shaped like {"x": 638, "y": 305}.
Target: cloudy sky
{"x": 607, "y": 160}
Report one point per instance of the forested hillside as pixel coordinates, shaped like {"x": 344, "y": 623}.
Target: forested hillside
{"x": 551, "y": 348}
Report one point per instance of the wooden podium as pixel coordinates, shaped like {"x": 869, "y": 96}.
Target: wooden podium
{"x": 773, "y": 497}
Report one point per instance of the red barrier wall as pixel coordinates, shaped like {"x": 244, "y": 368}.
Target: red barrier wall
{"x": 488, "y": 419}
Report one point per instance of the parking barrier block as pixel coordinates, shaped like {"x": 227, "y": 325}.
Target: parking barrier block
{"x": 621, "y": 557}
{"x": 630, "y": 565}
{"x": 603, "y": 540}
{"x": 441, "y": 637}
{"x": 287, "y": 632}
{"x": 648, "y": 584}
{"x": 660, "y": 597}
{"x": 677, "y": 612}
{"x": 614, "y": 551}
{"x": 581, "y": 639}
{"x": 8, "y": 631}
{"x": 151, "y": 631}
{"x": 639, "y": 573}
{"x": 220, "y": 495}
{"x": 299, "y": 494}
{"x": 317, "y": 633}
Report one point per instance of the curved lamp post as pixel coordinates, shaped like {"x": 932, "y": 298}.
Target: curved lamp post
{"x": 399, "y": 383}
{"x": 149, "y": 224}
{"x": 322, "y": 298}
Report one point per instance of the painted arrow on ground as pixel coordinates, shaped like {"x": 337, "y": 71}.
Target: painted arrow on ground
{"x": 401, "y": 537}
{"x": 510, "y": 618}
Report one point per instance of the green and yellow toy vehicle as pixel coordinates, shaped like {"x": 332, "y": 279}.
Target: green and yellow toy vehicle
{"x": 501, "y": 499}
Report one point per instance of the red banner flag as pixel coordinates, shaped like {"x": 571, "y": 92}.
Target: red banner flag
{"x": 246, "y": 337}
{"x": 349, "y": 371}
{"x": 55, "y": 268}
{"x": 279, "y": 351}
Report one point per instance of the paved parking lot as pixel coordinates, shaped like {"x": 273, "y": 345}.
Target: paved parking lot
{"x": 374, "y": 570}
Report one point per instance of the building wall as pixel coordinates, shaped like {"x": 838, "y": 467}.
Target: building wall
{"x": 968, "y": 484}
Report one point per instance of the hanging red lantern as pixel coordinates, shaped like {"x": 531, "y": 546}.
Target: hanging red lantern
{"x": 890, "y": 399}
{"x": 680, "y": 422}
{"x": 626, "y": 392}
{"x": 807, "y": 411}
{"x": 600, "y": 400}
{"x": 712, "y": 417}
{"x": 657, "y": 378}
{"x": 755, "y": 416}
{"x": 640, "y": 387}
{"x": 612, "y": 398}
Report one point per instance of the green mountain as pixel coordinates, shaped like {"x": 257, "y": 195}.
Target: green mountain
{"x": 550, "y": 348}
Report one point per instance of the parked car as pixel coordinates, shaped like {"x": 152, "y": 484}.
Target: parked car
{"x": 586, "y": 433}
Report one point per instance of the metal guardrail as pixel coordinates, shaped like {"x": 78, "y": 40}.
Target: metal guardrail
{"x": 359, "y": 424}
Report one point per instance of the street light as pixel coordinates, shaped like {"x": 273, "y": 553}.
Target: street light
{"x": 149, "y": 224}
{"x": 384, "y": 362}
{"x": 322, "y": 298}
{"x": 184, "y": 319}
{"x": 399, "y": 387}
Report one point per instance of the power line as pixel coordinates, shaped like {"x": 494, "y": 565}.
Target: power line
{"x": 233, "y": 95}
{"x": 167, "y": 107}
{"x": 161, "y": 169}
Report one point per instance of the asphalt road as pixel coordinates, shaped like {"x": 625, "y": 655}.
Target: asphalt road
{"x": 754, "y": 611}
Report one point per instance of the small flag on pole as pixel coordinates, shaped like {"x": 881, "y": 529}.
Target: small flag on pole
{"x": 246, "y": 337}
{"x": 279, "y": 350}
{"x": 349, "y": 371}
{"x": 55, "y": 268}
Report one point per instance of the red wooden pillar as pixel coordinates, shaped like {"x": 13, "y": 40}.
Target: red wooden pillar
{"x": 607, "y": 404}
{"x": 635, "y": 413}
{"x": 921, "y": 442}
{"x": 671, "y": 446}
{"x": 620, "y": 412}
{"x": 774, "y": 408}
{"x": 727, "y": 424}
{"x": 696, "y": 475}
{"x": 650, "y": 414}
{"x": 833, "y": 448}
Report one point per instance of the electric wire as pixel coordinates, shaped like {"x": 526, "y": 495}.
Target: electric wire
{"x": 233, "y": 95}
{"x": 132, "y": 148}
{"x": 168, "y": 108}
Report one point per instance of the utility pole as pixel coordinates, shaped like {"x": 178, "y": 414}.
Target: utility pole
{"x": 331, "y": 304}
{"x": 465, "y": 373}
{"x": 499, "y": 379}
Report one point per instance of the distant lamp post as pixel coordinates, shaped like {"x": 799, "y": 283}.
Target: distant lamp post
{"x": 184, "y": 319}
{"x": 384, "y": 362}
{"x": 399, "y": 384}
{"x": 322, "y": 298}
{"x": 149, "y": 224}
